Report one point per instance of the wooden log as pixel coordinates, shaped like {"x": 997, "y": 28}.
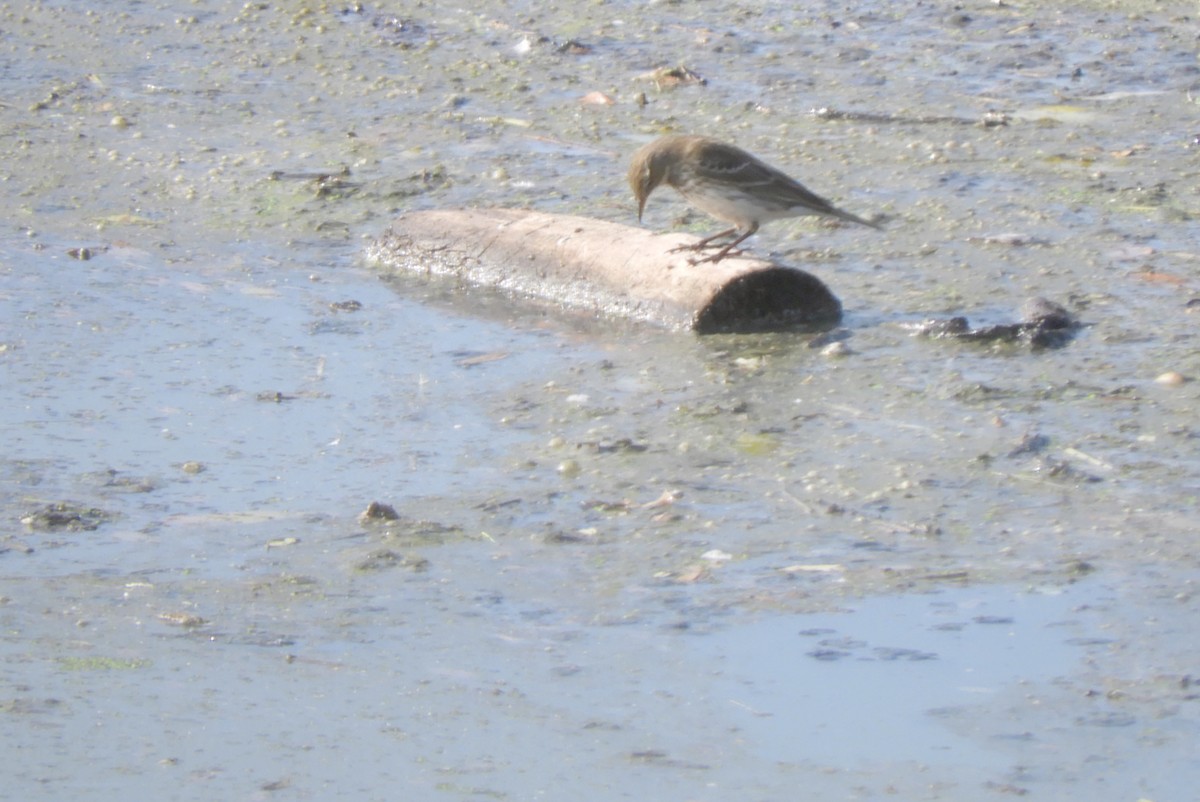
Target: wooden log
{"x": 605, "y": 268}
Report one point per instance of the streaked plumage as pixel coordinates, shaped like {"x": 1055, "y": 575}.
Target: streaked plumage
{"x": 727, "y": 183}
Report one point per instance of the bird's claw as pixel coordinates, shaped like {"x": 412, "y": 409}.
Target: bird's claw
{"x": 721, "y": 252}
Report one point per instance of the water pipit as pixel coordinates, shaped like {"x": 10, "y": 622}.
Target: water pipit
{"x": 727, "y": 183}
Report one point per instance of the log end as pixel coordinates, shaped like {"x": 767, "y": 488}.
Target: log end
{"x": 771, "y": 299}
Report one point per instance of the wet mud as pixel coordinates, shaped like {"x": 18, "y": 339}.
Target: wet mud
{"x": 620, "y": 562}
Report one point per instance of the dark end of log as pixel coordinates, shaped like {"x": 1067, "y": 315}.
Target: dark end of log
{"x": 772, "y": 299}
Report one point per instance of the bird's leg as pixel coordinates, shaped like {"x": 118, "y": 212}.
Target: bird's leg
{"x": 705, "y": 243}
{"x": 726, "y": 249}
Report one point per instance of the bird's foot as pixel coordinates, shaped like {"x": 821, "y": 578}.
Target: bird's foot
{"x": 713, "y": 258}
{"x": 719, "y": 251}
{"x": 724, "y": 239}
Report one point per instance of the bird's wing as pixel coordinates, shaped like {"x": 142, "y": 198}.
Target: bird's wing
{"x": 732, "y": 165}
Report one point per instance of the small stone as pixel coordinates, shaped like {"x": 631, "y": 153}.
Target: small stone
{"x": 1170, "y": 379}
{"x": 378, "y": 511}
{"x": 179, "y": 619}
{"x": 716, "y": 556}
{"x": 836, "y": 350}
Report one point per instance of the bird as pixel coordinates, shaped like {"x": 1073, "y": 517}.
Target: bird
{"x": 727, "y": 183}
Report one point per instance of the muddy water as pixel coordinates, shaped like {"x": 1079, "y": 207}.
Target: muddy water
{"x": 626, "y": 563}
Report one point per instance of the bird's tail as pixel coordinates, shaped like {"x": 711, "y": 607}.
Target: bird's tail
{"x": 853, "y": 218}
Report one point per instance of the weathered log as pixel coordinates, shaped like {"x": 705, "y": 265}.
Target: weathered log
{"x": 606, "y": 268}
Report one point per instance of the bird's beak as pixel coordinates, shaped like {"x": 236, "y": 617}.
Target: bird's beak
{"x": 642, "y": 183}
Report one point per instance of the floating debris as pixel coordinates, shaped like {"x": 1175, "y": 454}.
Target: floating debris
{"x": 386, "y": 558}
{"x": 597, "y": 99}
{"x": 275, "y": 397}
{"x": 84, "y": 254}
{"x": 991, "y": 119}
{"x": 470, "y": 360}
{"x": 673, "y": 77}
{"x": 400, "y": 32}
{"x": 666, "y": 499}
{"x": 1010, "y": 239}
{"x": 1044, "y": 324}
{"x": 574, "y": 47}
{"x": 1029, "y": 444}
{"x": 64, "y": 515}
{"x": 822, "y": 568}
{"x": 378, "y": 511}
{"x": 185, "y": 620}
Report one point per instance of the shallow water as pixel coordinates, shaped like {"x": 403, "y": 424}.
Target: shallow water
{"x": 629, "y": 563}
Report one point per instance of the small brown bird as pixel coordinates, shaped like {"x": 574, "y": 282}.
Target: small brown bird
{"x": 727, "y": 183}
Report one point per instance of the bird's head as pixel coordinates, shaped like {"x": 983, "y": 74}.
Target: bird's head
{"x": 647, "y": 169}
